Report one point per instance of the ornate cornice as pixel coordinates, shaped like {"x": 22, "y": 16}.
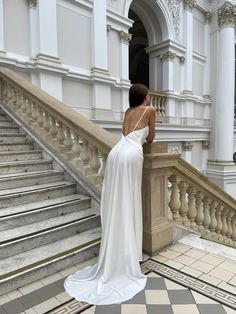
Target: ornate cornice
{"x": 227, "y": 14}
{"x": 190, "y": 4}
{"x": 32, "y": 3}
{"x": 187, "y": 146}
{"x": 167, "y": 56}
{"x": 125, "y": 37}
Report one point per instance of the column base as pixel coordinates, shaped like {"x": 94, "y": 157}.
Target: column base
{"x": 223, "y": 173}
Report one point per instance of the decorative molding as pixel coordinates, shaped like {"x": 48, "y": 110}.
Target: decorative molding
{"x": 174, "y": 7}
{"x": 108, "y": 27}
{"x": 205, "y": 145}
{"x": 174, "y": 148}
{"x": 227, "y": 14}
{"x": 181, "y": 59}
{"x": 113, "y": 3}
{"x": 187, "y": 146}
{"x": 125, "y": 37}
{"x": 32, "y": 3}
{"x": 207, "y": 17}
{"x": 190, "y": 4}
{"x": 168, "y": 56}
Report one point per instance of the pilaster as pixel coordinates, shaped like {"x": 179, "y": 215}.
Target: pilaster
{"x": 188, "y": 36}
{"x": 167, "y": 59}
{"x": 187, "y": 151}
{"x": 2, "y": 46}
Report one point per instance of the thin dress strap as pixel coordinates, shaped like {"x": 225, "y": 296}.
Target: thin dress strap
{"x": 140, "y": 119}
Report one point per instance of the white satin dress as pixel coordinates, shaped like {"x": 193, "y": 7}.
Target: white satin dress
{"x": 117, "y": 276}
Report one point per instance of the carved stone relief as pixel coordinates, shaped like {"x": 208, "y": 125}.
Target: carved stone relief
{"x": 187, "y": 146}
{"x": 32, "y": 3}
{"x": 174, "y": 7}
{"x": 113, "y": 3}
{"x": 227, "y": 14}
{"x": 125, "y": 37}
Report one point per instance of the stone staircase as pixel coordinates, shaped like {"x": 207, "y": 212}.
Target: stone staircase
{"x": 45, "y": 222}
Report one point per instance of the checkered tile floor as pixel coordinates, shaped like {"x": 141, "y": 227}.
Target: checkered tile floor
{"x": 163, "y": 296}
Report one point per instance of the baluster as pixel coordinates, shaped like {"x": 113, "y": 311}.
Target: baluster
{"x": 192, "y": 212}
{"x": 207, "y": 218}
{"x": 224, "y": 224}
{"x": 213, "y": 223}
{"x": 40, "y": 118}
{"x": 233, "y": 236}
{"x": 46, "y": 124}
{"x": 230, "y": 231}
{"x": 76, "y": 151}
{"x": 53, "y": 129}
{"x": 85, "y": 154}
{"x": 174, "y": 203}
{"x": 219, "y": 225}
{"x": 68, "y": 143}
{"x": 60, "y": 135}
{"x": 95, "y": 163}
{"x": 34, "y": 114}
{"x": 163, "y": 107}
{"x": 183, "y": 210}
{"x": 200, "y": 215}
{"x": 103, "y": 168}
{"x": 29, "y": 111}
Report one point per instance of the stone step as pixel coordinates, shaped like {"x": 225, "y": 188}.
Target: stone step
{"x": 16, "y": 180}
{"x": 9, "y": 129}
{"x": 20, "y": 155}
{"x": 6, "y": 122}
{"x": 20, "y": 215}
{"x": 23, "y": 268}
{"x": 30, "y": 236}
{"x": 25, "y": 166}
{"x": 17, "y": 146}
{"x": 12, "y": 137}
{"x": 34, "y": 193}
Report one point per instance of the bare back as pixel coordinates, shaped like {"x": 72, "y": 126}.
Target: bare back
{"x": 132, "y": 117}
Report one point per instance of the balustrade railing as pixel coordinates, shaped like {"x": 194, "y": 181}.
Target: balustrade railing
{"x": 158, "y": 101}
{"x": 80, "y": 142}
{"x": 193, "y": 200}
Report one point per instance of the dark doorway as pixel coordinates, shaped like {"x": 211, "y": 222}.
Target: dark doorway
{"x": 138, "y": 58}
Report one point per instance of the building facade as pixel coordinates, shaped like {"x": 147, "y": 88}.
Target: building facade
{"x": 87, "y": 52}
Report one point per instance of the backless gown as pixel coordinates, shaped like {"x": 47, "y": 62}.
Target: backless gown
{"x": 117, "y": 276}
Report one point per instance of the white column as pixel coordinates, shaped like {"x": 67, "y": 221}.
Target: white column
{"x": 221, "y": 168}
{"x": 206, "y": 87}
{"x": 101, "y": 88}
{"x": 224, "y": 120}
{"x": 99, "y": 28}
{"x": 34, "y": 29}
{"x": 188, "y": 20}
{"x": 168, "y": 71}
{"x": 48, "y": 28}
{"x": 2, "y": 46}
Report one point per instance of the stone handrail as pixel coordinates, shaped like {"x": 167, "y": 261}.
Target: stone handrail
{"x": 80, "y": 142}
{"x": 158, "y": 101}
{"x": 193, "y": 200}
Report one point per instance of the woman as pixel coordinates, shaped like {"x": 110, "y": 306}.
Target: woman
{"x": 117, "y": 276}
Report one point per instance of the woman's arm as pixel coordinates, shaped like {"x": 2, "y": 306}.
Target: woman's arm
{"x": 151, "y": 124}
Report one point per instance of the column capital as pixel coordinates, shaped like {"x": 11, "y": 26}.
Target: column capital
{"x": 125, "y": 37}
{"x": 187, "y": 146}
{"x": 227, "y": 14}
{"x": 190, "y": 4}
{"x": 168, "y": 56}
{"x": 32, "y": 3}
{"x": 205, "y": 145}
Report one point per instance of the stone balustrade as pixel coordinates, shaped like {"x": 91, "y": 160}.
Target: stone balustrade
{"x": 158, "y": 101}
{"x": 178, "y": 191}
{"x": 80, "y": 142}
{"x": 170, "y": 187}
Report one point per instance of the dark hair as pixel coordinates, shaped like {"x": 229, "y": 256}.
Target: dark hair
{"x": 137, "y": 94}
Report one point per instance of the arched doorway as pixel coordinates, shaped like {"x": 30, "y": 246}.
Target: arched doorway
{"x": 138, "y": 58}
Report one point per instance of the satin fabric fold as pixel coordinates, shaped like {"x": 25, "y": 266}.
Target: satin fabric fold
{"x": 117, "y": 276}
